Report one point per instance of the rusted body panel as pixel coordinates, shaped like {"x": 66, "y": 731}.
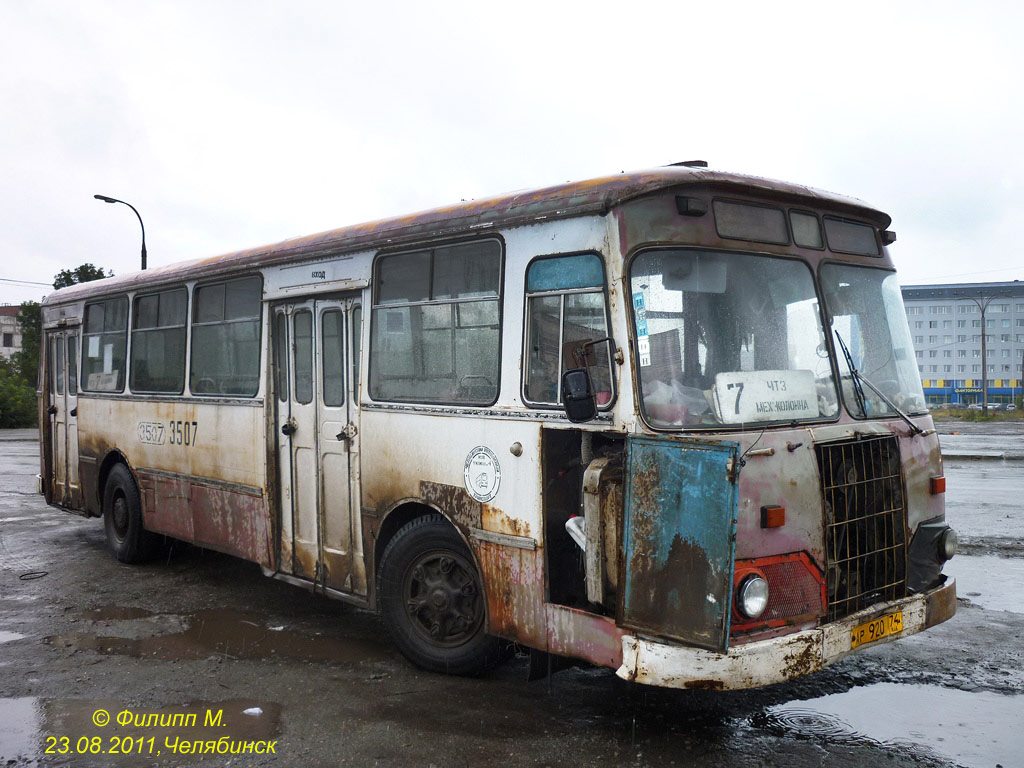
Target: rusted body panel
{"x": 398, "y": 475}
{"x": 584, "y": 635}
{"x": 680, "y": 524}
{"x": 454, "y": 501}
{"x": 192, "y": 486}
{"x": 922, "y": 460}
{"x": 232, "y": 521}
{"x": 782, "y": 472}
{"x": 514, "y": 580}
{"x": 772, "y": 661}
{"x": 167, "y": 501}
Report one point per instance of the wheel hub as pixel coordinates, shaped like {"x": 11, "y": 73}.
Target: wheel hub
{"x": 442, "y": 599}
{"x": 120, "y": 515}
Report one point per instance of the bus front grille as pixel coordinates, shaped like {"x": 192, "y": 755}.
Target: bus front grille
{"x": 865, "y": 523}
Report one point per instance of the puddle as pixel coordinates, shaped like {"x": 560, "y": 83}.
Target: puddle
{"x": 31, "y": 725}
{"x": 116, "y": 613}
{"x": 228, "y": 634}
{"x": 975, "y": 730}
{"x": 7, "y": 637}
{"x": 989, "y": 581}
{"x": 19, "y": 739}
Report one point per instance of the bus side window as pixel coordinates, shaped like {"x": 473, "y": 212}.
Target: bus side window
{"x": 105, "y": 343}
{"x": 226, "y": 338}
{"x": 565, "y": 302}
{"x": 435, "y": 325}
{"x": 158, "y": 342}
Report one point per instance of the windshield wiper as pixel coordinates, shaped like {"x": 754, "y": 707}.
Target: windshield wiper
{"x": 857, "y": 378}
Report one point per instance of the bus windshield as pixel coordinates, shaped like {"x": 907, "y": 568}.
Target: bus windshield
{"x": 866, "y": 310}
{"x": 728, "y": 338}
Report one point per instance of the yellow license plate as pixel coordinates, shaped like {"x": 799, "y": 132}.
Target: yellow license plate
{"x": 883, "y": 626}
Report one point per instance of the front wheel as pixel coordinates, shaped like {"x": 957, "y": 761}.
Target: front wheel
{"x": 432, "y": 601}
{"x": 122, "y": 518}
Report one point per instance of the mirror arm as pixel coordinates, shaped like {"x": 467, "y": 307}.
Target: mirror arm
{"x": 579, "y": 352}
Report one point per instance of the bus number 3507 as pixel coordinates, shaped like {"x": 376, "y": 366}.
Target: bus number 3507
{"x": 182, "y": 432}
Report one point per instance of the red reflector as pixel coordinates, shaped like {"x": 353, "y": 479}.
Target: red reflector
{"x": 939, "y": 484}
{"x": 773, "y": 517}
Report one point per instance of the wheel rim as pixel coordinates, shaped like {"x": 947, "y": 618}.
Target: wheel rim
{"x": 442, "y": 599}
{"x": 119, "y": 515}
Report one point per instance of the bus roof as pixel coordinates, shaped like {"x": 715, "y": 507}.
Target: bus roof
{"x": 593, "y": 196}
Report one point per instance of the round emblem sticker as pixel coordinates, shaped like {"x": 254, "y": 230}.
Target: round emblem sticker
{"x": 483, "y": 474}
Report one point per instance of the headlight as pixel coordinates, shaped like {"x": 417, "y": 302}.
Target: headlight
{"x": 947, "y": 544}
{"x": 752, "y": 597}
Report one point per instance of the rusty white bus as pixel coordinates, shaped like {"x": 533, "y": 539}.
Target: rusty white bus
{"x": 667, "y": 422}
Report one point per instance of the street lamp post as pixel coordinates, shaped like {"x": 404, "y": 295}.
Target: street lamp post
{"x": 106, "y": 199}
{"x": 982, "y": 305}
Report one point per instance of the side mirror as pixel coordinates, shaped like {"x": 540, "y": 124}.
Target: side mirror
{"x": 578, "y": 395}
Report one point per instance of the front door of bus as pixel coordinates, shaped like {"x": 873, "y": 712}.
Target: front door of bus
{"x": 63, "y": 412}
{"x": 317, "y": 365}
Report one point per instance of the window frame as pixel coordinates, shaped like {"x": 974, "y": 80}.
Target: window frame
{"x": 817, "y": 218}
{"x": 321, "y": 364}
{"x": 132, "y": 328}
{"x": 224, "y": 279}
{"x": 85, "y": 335}
{"x": 431, "y": 247}
{"x": 562, "y": 293}
{"x": 812, "y": 267}
{"x": 844, "y": 220}
{"x": 751, "y": 204}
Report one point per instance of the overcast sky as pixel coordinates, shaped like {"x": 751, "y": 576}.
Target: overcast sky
{"x": 235, "y": 124}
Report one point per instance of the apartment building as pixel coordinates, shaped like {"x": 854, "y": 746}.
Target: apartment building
{"x": 10, "y": 333}
{"x": 947, "y": 323}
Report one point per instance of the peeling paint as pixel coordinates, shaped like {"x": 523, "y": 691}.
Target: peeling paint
{"x": 454, "y": 501}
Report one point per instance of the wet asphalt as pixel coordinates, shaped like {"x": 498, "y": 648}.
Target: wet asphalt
{"x": 199, "y": 633}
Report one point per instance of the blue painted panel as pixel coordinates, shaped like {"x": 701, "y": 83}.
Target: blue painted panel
{"x": 564, "y": 273}
{"x": 680, "y": 539}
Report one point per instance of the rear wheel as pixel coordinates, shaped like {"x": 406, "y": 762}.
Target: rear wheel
{"x": 432, "y": 601}
{"x": 122, "y": 518}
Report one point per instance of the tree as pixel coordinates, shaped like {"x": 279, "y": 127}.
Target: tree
{"x": 26, "y": 360}
{"x": 81, "y": 274}
{"x": 17, "y": 399}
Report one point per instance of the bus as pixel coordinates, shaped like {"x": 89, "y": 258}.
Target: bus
{"x": 666, "y": 422}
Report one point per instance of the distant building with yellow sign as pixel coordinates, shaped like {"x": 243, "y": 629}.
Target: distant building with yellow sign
{"x": 946, "y": 323}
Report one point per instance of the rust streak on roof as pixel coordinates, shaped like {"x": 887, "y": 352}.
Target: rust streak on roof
{"x": 592, "y": 196}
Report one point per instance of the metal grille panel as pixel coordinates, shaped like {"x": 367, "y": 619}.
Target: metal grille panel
{"x": 865, "y": 524}
{"x": 795, "y": 590}
{"x": 792, "y": 591}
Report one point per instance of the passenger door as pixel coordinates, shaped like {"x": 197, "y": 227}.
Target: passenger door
{"x": 318, "y": 440}
{"x": 63, "y": 410}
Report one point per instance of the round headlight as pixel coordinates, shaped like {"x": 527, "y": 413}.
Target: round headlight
{"x": 752, "y": 597}
{"x": 947, "y": 544}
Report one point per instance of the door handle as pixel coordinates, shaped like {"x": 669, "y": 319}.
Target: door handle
{"x": 74, "y": 412}
{"x": 289, "y": 428}
{"x": 348, "y": 432}
{"x": 52, "y": 410}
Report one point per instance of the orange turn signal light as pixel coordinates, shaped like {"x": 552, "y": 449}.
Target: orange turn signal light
{"x": 773, "y": 516}
{"x": 938, "y": 484}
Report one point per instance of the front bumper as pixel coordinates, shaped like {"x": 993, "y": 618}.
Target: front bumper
{"x": 766, "y": 662}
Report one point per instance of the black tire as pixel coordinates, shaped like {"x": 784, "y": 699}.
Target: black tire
{"x": 432, "y": 601}
{"x": 122, "y": 519}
